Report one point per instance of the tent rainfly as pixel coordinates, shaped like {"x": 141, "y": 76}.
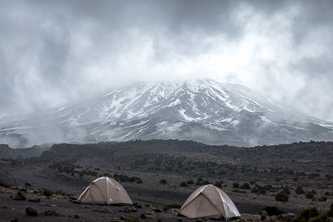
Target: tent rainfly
{"x": 105, "y": 190}
{"x": 209, "y": 201}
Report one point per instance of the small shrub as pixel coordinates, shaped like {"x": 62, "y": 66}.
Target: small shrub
{"x": 309, "y": 213}
{"x": 183, "y": 184}
{"x": 238, "y": 191}
{"x": 218, "y": 184}
{"x": 299, "y": 190}
{"x": 52, "y": 212}
{"x": 190, "y": 182}
{"x": 271, "y": 210}
{"x": 262, "y": 192}
{"x": 132, "y": 219}
{"x": 57, "y": 192}
{"x": 322, "y": 199}
{"x": 173, "y": 206}
{"x": 47, "y": 192}
{"x": 132, "y": 179}
{"x": 254, "y": 190}
{"x": 286, "y": 190}
{"x": 329, "y": 213}
{"x": 205, "y": 182}
{"x": 235, "y": 185}
{"x": 319, "y": 218}
{"x": 309, "y": 195}
{"x": 281, "y": 197}
{"x": 246, "y": 186}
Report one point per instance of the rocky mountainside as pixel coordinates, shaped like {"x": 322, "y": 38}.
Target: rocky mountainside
{"x": 203, "y": 110}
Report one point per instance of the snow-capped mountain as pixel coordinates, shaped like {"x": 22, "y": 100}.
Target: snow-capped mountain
{"x": 203, "y": 110}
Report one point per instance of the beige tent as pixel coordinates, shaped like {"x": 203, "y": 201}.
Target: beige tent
{"x": 105, "y": 190}
{"x": 209, "y": 201}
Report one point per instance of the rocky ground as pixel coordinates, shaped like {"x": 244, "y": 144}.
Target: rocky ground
{"x": 160, "y": 175}
{"x": 37, "y": 208}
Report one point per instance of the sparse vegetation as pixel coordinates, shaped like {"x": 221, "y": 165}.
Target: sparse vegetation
{"x": 281, "y": 197}
{"x": 272, "y": 210}
{"x": 299, "y": 173}
{"x": 309, "y": 195}
{"x": 235, "y": 185}
{"x": 299, "y": 190}
{"x": 47, "y": 192}
{"x": 190, "y": 182}
{"x": 286, "y": 190}
{"x": 245, "y": 186}
{"x": 183, "y": 184}
{"x": 218, "y": 184}
{"x": 309, "y": 213}
{"x": 132, "y": 219}
{"x": 177, "y": 206}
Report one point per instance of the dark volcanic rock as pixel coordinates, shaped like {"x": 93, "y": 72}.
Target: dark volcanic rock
{"x": 104, "y": 210}
{"x": 52, "y": 213}
{"x": 264, "y": 215}
{"x": 31, "y": 211}
{"x": 19, "y": 196}
{"x": 127, "y": 210}
{"x": 36, "y": 200}
{"x": 76, "y": 216}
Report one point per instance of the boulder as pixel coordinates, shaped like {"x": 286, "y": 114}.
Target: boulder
{"x": 274, "y": 218}
{"x": 263, "y": 215}
{"x": 36, "y": 200}
{"x": 143, "y": 216}
{"x": 76, "y": 216}
{"x": 31, "y": 211}
{"x": 133, "y": 209}
{"x": 127, "y": 210}
{"x": 51, "y": 213}
{"x": 103, "y": 210}
{"x": 156, "y": 210}
{"x": 19, "y": 197}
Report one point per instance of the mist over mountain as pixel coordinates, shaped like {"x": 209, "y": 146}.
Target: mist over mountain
{"x": 202, "y": 110}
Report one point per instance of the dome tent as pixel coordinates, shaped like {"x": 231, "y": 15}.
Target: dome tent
{"x": 209, "y": 201}
{"x": 105, "y": 190}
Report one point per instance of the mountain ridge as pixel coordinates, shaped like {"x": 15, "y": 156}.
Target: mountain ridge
{"x": 202, "y": 110}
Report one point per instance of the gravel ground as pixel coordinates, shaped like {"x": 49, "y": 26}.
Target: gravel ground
{"x": 64, "y": 210}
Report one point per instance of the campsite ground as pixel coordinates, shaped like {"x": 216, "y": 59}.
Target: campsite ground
{"x": 163, "y": 174}
{"x": 61, "y": 208}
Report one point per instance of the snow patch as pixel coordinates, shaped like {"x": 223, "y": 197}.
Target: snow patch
{"x": 265, "y": 119}
{"x": 219, "y": 128}
{"x": 233, "y": 107}
{"x": 174, "y": 103}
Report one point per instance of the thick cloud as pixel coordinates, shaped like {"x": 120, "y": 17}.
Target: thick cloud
{"x": 53, "y": 51}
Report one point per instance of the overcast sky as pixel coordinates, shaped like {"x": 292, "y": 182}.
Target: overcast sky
{"x": 53, "y": 51}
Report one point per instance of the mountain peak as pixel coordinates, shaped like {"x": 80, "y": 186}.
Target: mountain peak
{"x": 203, "y": 110}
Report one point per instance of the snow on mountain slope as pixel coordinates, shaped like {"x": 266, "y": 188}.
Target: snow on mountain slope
{"x": 201, "y": 110}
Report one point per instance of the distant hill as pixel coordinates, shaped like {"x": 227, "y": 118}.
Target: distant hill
{"x": 7, "y": 152}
